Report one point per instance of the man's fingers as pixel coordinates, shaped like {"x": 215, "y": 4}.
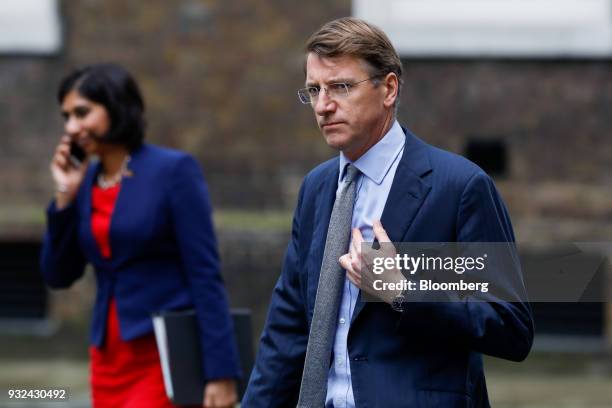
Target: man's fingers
{"x": 345, "y": 261}
{"x": 356, "y": 242}
{"x": 354, "y": 277}
{"x": 355, "y": 252}
{"x": 348, "y": 262}
{"x": 357, "y": 237}
{"x": 379, "y": 232}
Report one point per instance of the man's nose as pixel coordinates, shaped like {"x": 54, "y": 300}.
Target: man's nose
{"x": 324, "y": 104}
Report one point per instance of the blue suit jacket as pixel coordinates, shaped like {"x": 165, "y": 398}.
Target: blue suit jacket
{"x": 428, "y": 356}
{"x": 164, "y": 253}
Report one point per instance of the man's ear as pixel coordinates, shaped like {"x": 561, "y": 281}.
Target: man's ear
{"x": 391, "y": 86}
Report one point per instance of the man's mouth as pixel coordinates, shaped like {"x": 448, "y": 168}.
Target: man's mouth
{"x": 329, "y": 124}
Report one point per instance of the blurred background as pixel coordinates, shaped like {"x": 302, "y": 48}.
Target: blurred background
{"x": 523, "y": 88}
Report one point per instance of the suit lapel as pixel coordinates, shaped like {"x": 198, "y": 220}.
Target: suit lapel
{"x": 89, "y": 241}
{"x": 408, "y": 191}
{"x": 326, "y": 196}
{"x": 130, "y": 193}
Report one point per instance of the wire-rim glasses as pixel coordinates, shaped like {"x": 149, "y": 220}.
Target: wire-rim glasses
{"x": 336, "y": 90}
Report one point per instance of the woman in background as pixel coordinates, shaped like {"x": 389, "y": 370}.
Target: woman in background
{"x": 141, "y": 216}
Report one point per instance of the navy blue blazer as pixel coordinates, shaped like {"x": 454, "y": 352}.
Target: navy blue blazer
{"x": 427, "y": 356}
{"x": 164, "y": 253}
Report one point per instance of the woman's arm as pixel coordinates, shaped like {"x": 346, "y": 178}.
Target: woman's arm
{"x": 191, "y": 216}
{"x": 61, "y": 261}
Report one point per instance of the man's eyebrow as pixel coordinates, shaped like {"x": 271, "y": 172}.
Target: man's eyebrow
{"x": 340, "y": 79}
{"x": 331, "y": 81}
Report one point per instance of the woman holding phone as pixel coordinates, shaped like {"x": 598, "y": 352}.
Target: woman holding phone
{"x": 141, "y": 216}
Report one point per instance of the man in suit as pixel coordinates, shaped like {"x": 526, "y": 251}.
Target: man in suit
{"x": 391, "y": 353}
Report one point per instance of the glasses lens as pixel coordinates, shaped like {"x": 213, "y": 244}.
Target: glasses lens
{"x": 338, "y": 90}
{"x": 304, "y": 96}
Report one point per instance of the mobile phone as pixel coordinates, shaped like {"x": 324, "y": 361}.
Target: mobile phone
{"x": 77, "y": 154}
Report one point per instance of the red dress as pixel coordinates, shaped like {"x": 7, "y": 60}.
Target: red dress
{"x": 124, "y": 374}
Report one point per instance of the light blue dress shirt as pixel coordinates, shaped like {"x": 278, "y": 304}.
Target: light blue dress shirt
{"x": 378, "y": 167}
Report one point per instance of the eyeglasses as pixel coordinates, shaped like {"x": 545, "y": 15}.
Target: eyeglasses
{"x": 338, "y": 90}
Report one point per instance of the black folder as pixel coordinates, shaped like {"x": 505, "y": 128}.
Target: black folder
{"x": 177, "y": 337}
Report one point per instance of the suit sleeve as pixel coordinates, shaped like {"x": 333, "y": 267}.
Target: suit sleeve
{"x": 497, "y": 328}
{"x": 191, "y": 216}
{"x": 62, "y": 261}
{"x": 275, "y": 380}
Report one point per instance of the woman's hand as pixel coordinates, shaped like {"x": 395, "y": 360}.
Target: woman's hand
{"x": 66, "y": 176}
{"x": 220, "y": 394}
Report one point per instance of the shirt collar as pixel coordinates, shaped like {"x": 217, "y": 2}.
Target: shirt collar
{"x": 377, "y": 161}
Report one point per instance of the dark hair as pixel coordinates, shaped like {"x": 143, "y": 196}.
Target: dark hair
{"x": 113, "y": 87}
{"x": 358, "y": 38}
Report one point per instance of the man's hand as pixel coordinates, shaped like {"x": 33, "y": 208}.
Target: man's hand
{"x": 220, "y": 394}
{"x": 359, "y": 265}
